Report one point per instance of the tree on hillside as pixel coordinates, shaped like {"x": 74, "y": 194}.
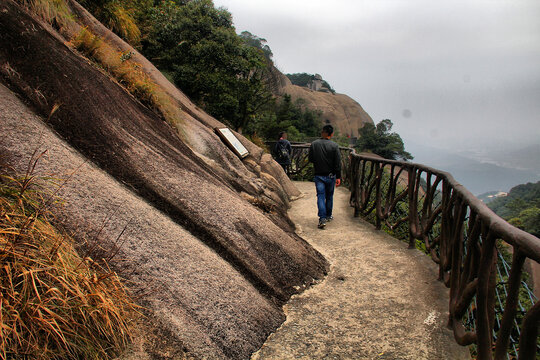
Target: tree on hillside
{"x": 196, "y": 44}
{"x": 528, "y": 220}
{"x": 258, "y": 43}
{"x": 381, "y": 141}
{"x": 295, "y": 118}
{"x": 300, "y": 79}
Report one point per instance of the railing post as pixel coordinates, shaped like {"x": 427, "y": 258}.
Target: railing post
{"x": 483, "y": 318}
{"x": 378, "y": 196}
{"x": 455, "y": 217}
{"x": 413, "y": 207}
{"x": 501, "y": 348}
{"x": 529, "y": 334}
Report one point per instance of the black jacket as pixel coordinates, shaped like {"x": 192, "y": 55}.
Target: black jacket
{"x": 325, "y": 156}
{"x": 285, "y": 144}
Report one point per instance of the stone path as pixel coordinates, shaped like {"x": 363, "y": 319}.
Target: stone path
{"x": 380, "y": 300}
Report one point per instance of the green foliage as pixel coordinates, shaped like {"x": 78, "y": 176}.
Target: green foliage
{"x": 341, "y": 140}
{"x": 379, "y": 140}
{"x": 295, "y": 118}
{"x": 300, "y": 79}
{"x": 327, "y": 85}
{"x": 228, "y": 75}
{"x": 304, "y": 79}
{"x": 258, "y": 43}
{"x": 521, "y": 207}
{"x": 197, "y": 44}
{"x": 122, "y": 17}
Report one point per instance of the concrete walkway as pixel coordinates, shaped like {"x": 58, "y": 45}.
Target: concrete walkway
{"x": 380, "y": 300}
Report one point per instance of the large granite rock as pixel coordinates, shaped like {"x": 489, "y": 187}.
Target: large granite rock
{"x": 201, "y": 236}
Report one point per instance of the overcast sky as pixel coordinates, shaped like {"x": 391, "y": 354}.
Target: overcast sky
{"x": 447, "y": 73}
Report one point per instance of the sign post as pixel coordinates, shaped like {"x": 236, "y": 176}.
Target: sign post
{"x": 232, "y": 142}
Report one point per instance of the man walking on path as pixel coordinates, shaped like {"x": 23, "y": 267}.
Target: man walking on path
{"x": 282, "y": 151}
{"x": 324, "y": 154}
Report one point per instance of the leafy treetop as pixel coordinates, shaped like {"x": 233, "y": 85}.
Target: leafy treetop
{"x": 258, "y": 43}
{"x": 304, "y": 79}
{"x": 196, "y": 44}
{"x": 381, "y": 141}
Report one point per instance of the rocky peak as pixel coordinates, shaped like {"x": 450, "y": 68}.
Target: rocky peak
{"x": 339, "y": 110}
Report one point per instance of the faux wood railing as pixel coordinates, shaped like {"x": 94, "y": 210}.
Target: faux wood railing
{"x": 481, "y": 257}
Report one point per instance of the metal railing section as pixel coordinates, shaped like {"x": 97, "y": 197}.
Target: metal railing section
{"x": 481, "y": 257}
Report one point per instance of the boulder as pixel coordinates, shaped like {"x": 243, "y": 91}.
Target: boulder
{"x": 339, "y": 110}
{"x": 210, "y": 266}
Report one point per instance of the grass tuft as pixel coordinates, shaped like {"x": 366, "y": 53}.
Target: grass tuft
{"x": 130, "y": 74}
{"x": 55, "y": 12}
{"x": 53, "y": 304}
{"x": 121, "y": 22}
{"x": 119, "y": 65}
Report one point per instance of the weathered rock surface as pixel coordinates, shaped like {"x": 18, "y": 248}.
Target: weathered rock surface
{"x": 201, "y": 236}
{"x": 340, "y": 110}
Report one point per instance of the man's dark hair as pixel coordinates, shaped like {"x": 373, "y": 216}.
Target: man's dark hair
{"x": 328, "y": 129}
{"x": 281, "y": 133}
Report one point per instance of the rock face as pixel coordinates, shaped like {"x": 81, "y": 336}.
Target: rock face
{"x": 201, "y": 236}
{"x": 339, "y": 110}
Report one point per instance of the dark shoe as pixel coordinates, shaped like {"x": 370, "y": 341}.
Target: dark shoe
{"x": 330, "y": 218}
{"x": 322, "y": 223}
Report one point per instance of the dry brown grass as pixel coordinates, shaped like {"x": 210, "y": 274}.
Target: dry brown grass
{"x": 130, "y": 74}
{"x": 55, "y": 12}
{"x": 122, "y": 23}
{"x": 53, "y": 303}
{"x": 119, "y": 65}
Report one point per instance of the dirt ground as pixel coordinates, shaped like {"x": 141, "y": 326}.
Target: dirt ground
{"x": 379, "y": 301}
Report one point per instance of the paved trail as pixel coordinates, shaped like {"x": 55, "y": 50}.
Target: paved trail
{"x": 380, "y": 300}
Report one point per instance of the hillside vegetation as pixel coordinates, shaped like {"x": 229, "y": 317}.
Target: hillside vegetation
{"x": 305, "y": 79}
{"x": 521, "y": 207}
{"x": 231, "y": 76}
{"x": 195, "y": 44}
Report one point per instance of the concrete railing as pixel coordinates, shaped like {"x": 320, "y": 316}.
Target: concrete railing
{"x": 481, "y": 258}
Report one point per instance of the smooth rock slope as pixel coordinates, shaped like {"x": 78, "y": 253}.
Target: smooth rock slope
{"x": 210, "y": 267}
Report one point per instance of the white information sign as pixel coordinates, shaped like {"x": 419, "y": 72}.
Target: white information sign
{"x": 232, "y": 141}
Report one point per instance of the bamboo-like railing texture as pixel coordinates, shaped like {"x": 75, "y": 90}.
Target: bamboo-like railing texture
{"x": 481, "y": 258}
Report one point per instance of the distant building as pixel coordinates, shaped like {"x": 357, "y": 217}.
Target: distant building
{"x": 498, "y": 195}
{"x": 316, "y": 83}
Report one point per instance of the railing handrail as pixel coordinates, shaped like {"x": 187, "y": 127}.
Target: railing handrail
{"x": 508, "y": 232}
{"x": 460, "y": 232}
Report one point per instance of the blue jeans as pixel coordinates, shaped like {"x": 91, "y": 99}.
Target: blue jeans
{"x": 325, "y": 195}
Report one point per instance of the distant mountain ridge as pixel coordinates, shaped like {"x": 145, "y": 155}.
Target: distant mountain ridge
{"x": 525, "y": 158}
{"x": 477, "y": 176}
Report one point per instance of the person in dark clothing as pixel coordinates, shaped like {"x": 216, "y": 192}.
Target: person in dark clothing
{"x": 282, "y": 151}
{"x": 326, "y": 159}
